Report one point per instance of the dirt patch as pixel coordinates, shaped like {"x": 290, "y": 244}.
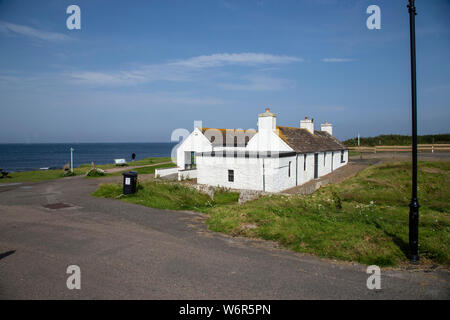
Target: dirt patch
{"x": 431, "y": 170}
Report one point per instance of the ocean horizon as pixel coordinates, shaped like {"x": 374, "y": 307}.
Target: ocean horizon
{"x": 35, "y": 156}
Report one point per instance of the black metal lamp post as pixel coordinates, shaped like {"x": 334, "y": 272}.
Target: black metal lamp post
{"x": 414, "y": 204}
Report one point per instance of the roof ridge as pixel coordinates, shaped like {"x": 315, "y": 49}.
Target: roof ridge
{"x": 222, "y": 129}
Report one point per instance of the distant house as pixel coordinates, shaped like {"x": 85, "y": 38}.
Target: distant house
{"x": 273, "y": 158}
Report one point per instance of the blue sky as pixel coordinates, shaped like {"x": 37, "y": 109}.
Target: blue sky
{"x": 137, "y": 70}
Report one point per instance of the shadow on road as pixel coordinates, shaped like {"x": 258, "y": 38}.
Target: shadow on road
{"x": 7, "y": 253}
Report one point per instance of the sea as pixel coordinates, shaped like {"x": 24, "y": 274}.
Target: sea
{"x": 42, "y": 156}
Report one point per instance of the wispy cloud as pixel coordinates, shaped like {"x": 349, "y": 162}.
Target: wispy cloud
{"x": 17, "y": 29}
{"x": 183, "y": 70}
{"x": 246, "y": 59}
{"x": 337, "y": 60}
{"x": 259, "y": 83}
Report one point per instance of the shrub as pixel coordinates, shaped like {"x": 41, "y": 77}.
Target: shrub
{"x": 95, "y": 172}
{"x": 68, "y": 173}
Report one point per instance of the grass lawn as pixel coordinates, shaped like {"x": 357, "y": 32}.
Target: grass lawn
{"x": 169, "y": 195}
{"x": 147, "y": 170}
{"x": 363, "y": 219}
{"x": 353, "y": 153}
{"x": 40, "y": 175}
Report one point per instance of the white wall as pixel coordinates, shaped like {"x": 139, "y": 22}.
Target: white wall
{"x": 324, "y": 163}
{"x": 267, "y": 141}
{"x": 196, "y": 142}
{"x": 277, "y": 173}
{"x": 250, "y": 174}
{"x": 165, "y": 171}
{"x": 214, "y": 171}
{"x": 187, "y": 174}
{"x": 308, "y": 174}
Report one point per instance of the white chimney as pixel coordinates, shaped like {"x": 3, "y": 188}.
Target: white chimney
{"x": 327, "y": 127}
{"x": 307, "y": 124}
{"x": 267, "y": 121}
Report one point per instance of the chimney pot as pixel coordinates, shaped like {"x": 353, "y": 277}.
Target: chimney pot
{"x": 327, "y": 127}
{"x": 267, "y": 109}
{"x": 307, "y": 124}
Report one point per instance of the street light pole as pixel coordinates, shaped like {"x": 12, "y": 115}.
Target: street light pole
{"x": 414, "y": 204}
{"x": 71, "y": 159}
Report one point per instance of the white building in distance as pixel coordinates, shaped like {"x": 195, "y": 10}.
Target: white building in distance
{"x": 272, "y": 159}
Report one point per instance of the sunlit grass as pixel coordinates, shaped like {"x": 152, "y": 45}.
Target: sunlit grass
{"x": 363, "y": 219}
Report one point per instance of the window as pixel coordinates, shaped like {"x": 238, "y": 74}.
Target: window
{"x": 342, "y": 156}
{"x": 304, "y": 162}
{"x": 230, "y": 175}
{"x": 289, "y": 169}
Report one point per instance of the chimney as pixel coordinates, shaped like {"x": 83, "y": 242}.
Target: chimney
{"x": 327, "y": 127}
{"x": 307, "y": 124}
{"x": 267, "y": 121}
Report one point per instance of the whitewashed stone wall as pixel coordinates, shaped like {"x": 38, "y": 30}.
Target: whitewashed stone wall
{"x": 277, "y": 173}
{"x": 162, "y": 172}
{"x": 196, "y": 142}
{"x": 187, "y": 174}
{"x": 214, "y": 171}
{"x": 267, "y": 174}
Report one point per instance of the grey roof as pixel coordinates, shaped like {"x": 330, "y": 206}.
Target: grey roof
{"x": 302, "y": 141}
{"x": 228, "y": 137}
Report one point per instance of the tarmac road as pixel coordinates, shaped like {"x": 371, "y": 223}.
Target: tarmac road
{"x": 127, "y": 251}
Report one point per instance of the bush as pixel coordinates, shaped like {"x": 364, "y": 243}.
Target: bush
{"x": 68, "y": 173}
{"x": 95, "y": 172}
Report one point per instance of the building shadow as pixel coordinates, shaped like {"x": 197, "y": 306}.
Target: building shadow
{"x": 7, "y": 253}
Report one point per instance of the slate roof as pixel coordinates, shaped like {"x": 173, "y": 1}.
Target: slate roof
{"x": 302, "y": 141}
{"x": 228, "y": 137}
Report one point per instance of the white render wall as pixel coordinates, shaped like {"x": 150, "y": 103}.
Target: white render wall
{"x": 196, "y": 142}
{"x": 187, "y": 174}
{"x": 277, "y": 173}
{"x": 214, "y": 171}
{"x": 308, "y": 174}
{"x": 267, "y": 141}
{"x": 162, "y": 172}
{"x": 274, "y": 177}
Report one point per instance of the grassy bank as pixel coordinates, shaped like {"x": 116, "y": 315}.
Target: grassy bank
{"x": 147, "y": 170}
{"x": 40, "y": 175}
{"x": 169, "y": 195}
{"x": 363, "y": 219}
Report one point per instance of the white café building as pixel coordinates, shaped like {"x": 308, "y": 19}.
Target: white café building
{"x": 272, "y": 159}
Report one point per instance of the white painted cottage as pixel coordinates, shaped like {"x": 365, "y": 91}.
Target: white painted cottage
{"x": 273, "y": 158}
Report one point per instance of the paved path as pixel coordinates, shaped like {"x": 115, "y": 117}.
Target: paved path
{"x": 126, "y": 168}
{"x": 337, "y": 176}
{"x": 129, "y": 251}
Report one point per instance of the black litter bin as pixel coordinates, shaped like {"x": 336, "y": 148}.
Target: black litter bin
{"x": 129, "y": 182}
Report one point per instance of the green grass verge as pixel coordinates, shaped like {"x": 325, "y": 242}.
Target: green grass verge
{"x": 353, "y": 153}
{"x": 41, "y": 175}
{"x": 363, "y": 219}
{"x": 168, "y": 195}
{"x": 147, "y": 170}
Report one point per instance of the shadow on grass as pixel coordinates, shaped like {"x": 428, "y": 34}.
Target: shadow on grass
{"x": 399, "y": 242}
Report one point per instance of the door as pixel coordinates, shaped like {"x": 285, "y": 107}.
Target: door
{"x": 192, "y": 160}
{"x": 316, "y": 165}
